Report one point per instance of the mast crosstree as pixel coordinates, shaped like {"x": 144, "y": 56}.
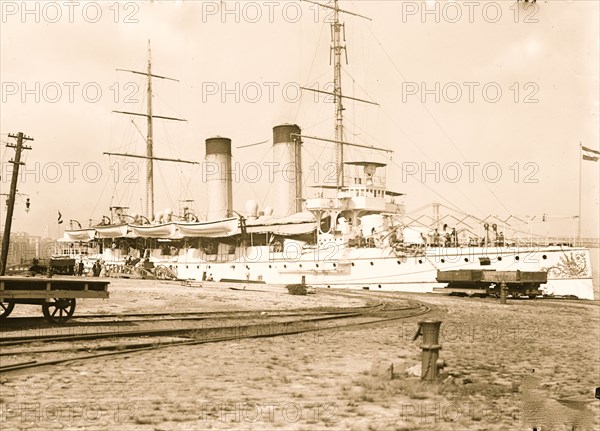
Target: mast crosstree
{"x": 338, "y": 36}
{"x": 149, "y": 209}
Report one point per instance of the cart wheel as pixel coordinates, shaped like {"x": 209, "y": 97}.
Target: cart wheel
{"x": 59, "y": 310}
{"x": 163, "y": 273}
{"x": 5, "y": 309}
{"x": 160, "y": 273}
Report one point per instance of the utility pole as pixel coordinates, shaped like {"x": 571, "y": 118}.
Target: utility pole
{"x": 20, "y": 137}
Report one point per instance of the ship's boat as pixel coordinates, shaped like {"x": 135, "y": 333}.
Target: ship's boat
{"x": 112, "y": 231}
{"x": 164, "y": 230}
{"x": 79, "y": 235}
{"x": 209, "y": 229}
{"x": 295, "y": 224}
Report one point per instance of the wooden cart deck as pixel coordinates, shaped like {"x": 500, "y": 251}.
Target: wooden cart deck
{"x": 55, "y": 287}
{"x": 475, "y": 281}
{"x": 56, "y": 295}
{"x": 491, "y": 276}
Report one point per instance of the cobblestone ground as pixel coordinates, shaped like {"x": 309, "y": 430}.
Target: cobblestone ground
{"x": 530, "y": 363}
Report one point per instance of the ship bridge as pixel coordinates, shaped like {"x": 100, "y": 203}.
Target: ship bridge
{"x": 366, "y": 192}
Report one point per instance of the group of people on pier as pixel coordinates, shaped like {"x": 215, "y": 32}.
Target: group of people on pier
{"x": 97, "y": 269}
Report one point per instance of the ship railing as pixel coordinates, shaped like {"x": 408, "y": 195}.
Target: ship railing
{"x": 360, "y": 180}
{"x": 588, "y": 242}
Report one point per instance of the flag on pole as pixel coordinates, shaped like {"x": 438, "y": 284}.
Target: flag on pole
{"x": 60, "y": 220}
{"x": 589, "y": 154}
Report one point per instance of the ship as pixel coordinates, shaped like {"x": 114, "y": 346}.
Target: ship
{"x": 352, "y": 233}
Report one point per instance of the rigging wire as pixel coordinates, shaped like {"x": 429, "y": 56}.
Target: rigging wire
{"x": 249, "y": 184}
{"x": 432, "y": 117}
{"x": 431, "y": 189}
{"x": 317, "y": 52}
{"x": 169, "y": 198}
{"x": 408, "y": 139}
{"x": 90, "y": 215}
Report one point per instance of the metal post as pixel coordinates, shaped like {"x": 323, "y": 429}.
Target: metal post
{"x": 579, "y": 216}
{"x": 503, "y": 292}
{"x": 430, "y": 329}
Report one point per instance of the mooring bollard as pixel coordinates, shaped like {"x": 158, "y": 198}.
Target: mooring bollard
{"x": 503, "y": 292}
{"x": 430, "y": 365}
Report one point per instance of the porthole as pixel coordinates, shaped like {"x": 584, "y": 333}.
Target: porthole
{"x": 379, "y": 285}
{"x": 372, "y": 264}
{"x": 420, "y": 261}
{"x": 443, "y": 261}
{"x": 300, "y": 266}
{"x": 352, "y": 263}
{"x": 544, "y": 256}
{"x": 269, "y": 266}
{"x": 466, "y": 259}
{"x": 285, "y": 266}
{"x": 499, "y": 258}
{"x": 516, "y": 257}
{"x": 398, "y": 262}
{"x": 317, "y": 265}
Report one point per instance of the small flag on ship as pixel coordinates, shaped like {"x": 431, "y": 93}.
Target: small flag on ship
{"x": 589, "y": 154}
{"x": 60, "y": 220}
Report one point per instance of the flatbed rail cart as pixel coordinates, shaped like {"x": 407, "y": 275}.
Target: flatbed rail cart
{"x": 56, "y": 295}
{"x": 487, "y": 282}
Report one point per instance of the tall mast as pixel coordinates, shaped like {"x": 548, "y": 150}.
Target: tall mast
{"x": 149, "y": 151}
{"x": 337, "y": 49}
{"x": 149, "y": 209}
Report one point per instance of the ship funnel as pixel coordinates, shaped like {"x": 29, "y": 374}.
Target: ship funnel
{"x": 287, "y": 150}
{"x": 218, "y": 178}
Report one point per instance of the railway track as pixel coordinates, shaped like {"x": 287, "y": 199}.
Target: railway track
{"x": 26, "y": 322}
{"x": 70, "y": 347}
{"x": 266, "y": 316}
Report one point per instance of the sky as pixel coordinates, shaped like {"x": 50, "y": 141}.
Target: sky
{"x": 484, "y": 104}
